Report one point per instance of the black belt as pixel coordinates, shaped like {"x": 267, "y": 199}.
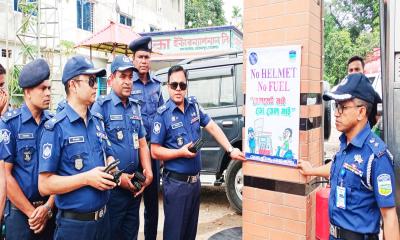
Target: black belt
{"x": 34, "y": 204}
{"x": 345, "y": 234}
{"x": 181, "y": 177}
{"x": 92, "y": 216}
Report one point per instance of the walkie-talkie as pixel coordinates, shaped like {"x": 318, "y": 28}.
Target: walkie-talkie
{"x": 195, "y": 147}
{"x": 138, "y": 179}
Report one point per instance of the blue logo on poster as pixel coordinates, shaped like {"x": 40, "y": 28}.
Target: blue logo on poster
{"x": 292, "y": 55}
{"x": 253, "y": 58}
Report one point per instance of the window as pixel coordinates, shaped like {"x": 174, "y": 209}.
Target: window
{"x": 220, "y": 87}
{"x": 125, "y": 20}
{"x": 84, "y": 10}
{"x": 4, "y": 53}
{"x": 101, "y": 86}
{"x": 29, "y": 7}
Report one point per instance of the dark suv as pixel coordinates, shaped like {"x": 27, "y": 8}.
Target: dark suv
{"x": 216, "y": 82}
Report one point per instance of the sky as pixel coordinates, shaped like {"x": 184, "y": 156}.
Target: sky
{"x": 228, "y": 5}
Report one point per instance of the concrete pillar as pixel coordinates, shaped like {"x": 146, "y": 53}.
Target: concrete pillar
{"x": 278, "y": 202}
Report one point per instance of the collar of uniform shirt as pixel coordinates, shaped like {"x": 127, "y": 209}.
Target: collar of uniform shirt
{"x": 73, "y": 116}
{"x": 135, "y": 77}
{"x": 115, "y": 99}
{"x": 26, "y": 114}
{"x": 173, "y": 105}
{"x": 358, "y": 140}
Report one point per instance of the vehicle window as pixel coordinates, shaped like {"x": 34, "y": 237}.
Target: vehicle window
{"x": 206, "y": 90}
{"x": 227, "y": 91}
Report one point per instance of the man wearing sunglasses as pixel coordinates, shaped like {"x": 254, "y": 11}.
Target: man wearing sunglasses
{"x": 74, "y": 150}
{"x": 28, "y": 215}
{"x": 176, "y": 127}
{"x": 147, "y": 90}
{"x": 361, "y": 174}
{"x": 124, "y": 128}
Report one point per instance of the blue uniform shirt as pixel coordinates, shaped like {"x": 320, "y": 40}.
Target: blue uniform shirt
{"x": 172, "y": 129}
{"x": 69, "y": 147}
{"x": 149, "y": 97}
{"x": 19, "y": 140}
{"x": 121, "y": 125}
{"x": 368, "y": 179}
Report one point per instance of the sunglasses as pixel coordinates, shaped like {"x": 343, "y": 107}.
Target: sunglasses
{"x": 174, "y": 85}
{"x": 92, "y": 81}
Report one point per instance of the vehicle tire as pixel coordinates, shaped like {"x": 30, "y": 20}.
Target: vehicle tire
{"x": 234, "y": 185}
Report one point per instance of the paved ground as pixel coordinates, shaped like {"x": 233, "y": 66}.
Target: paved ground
{"x": 215, "y": 214}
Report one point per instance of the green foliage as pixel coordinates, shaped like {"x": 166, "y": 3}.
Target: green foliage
{"x": 351, "y": 27}
{"x": 13, "y": 86}
{"x": 199, "y": 12}
{"x": 67, "y": 48}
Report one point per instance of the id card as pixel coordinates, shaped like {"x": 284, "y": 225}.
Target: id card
{"x": 135, "y": 140}
{"x": 341, "y": 197}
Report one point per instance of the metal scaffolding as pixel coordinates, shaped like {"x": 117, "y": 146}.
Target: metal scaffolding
{"x": 38, "y": 35}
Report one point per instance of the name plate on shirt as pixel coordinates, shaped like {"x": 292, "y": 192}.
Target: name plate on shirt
{"x": 134, "y": 117}
{"x": 115, "y": 117}
{"x": 136, "y": 92}
{"x": 76, "y": 139}
{"x": 177, "y": 125}
{"x": 25, "y": 135}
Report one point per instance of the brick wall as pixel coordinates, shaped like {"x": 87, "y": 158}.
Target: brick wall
{"x": 278, "y": 202}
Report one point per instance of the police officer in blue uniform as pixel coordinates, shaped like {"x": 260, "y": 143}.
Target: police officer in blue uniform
{"x": 146, "y": 89}
{"x": 27, "y": 212}
{"x": 74, "y": 150}
{"x": 176, "y": 126}
{"x": 361, "y": 175}
{"x": 124, "y": 128}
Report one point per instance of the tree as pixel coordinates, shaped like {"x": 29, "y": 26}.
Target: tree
{"x": 237, "y": 17}
{"x": 202, "y": 13}
{"x": 351, "y": 27}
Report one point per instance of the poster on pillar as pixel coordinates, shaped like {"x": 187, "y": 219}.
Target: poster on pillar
{"x": 273, "y": 104}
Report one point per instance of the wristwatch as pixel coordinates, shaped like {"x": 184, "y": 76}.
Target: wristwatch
{"x": 49, "y": 211}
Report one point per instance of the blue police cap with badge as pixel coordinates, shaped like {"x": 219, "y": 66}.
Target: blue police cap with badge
{"x": 79, "y": 65}
{"x": 34, "y": 73}
{"x": 121, "y": 63}
{"x": 355, "y": 85}
{"x": 142, "y": 43}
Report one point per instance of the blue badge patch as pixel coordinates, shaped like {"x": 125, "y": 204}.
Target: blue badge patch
{"x": 116, "y": 117}
{"x": 76, "y": 139}
{"x": 156, "y": 127}
{"x": 177, "y": 125}
{"x": 47, "y": 150}
{"x": 5, "y": 136}
{"x": 384, "y": 185}
{"x": 25, "y": 136}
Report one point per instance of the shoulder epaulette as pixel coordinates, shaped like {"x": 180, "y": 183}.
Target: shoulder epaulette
{"x": 98, "y": 115}
{"x": 377, "y": 146}
{"x": 48, "y": 114}
{"x": 134, "y": 100}
{"x": 162, "y": 109}
{"x": 192, "y": 99}
{"x": 51, "y": 123}
{"x": 102, "y": 99}
{"x": 11, "y": 114}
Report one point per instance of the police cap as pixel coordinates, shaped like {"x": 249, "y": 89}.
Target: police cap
{"x": 34, "y": 73}
{"x": 355, "y": 85}
{"x": 142, "y": 43}
{"x": 79, "y": 65}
